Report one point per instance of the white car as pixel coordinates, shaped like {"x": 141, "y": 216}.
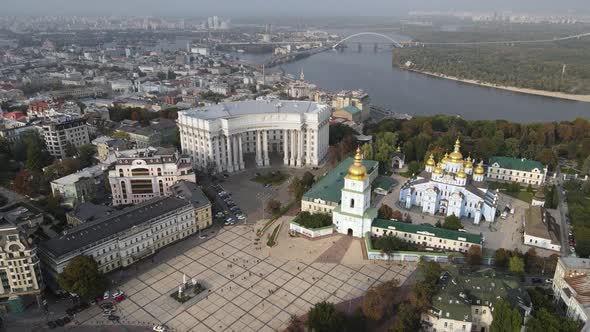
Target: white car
{"x": 117, "y": 293}
{"x": 106, "y": 295}
{"x": 241, "y": 217}
{"x": 159, "y": 328}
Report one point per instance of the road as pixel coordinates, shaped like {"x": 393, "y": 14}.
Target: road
{"x": 565, "y": 248}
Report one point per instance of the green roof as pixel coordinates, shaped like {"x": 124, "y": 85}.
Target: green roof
{"x": 517, "y": 164}
{"x": 329, "y": 187}
{"x": 351, "y": 109}
{"x": 383, "y": 182}
{"x": 459, "y": 289}
{"x": 438, "y": 232}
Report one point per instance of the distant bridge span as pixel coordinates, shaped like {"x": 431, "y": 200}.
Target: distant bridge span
{"x": 395, "y": 42}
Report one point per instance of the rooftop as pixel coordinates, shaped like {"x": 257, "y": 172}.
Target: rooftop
{"x": 87, "y": 211}
{"x": 94, "y": 231}
{"x": 516, "y": 163}
{"x": 351, "y": 109}
{"x": 538, "y": 224}
{"x": 460, "y": 288}
{"x": 241, "y": 108}
{"x": 89, "y": 172}
{"x": 329, "y": 187}
{"x": 191, "y": 192}
{"x": 575, "y": 263}
{"x": 427, "y": 229}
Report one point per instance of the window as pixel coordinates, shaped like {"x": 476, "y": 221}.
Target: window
{"x": 352, "y": 203}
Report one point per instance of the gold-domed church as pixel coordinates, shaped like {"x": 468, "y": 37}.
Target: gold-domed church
{"x": 451, "y": 186}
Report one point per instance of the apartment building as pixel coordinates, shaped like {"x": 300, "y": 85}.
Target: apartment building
{"x": 81, "y": 186}
{"x": 143, "y": 174}
{"x": 571, "y": 285}
{"x": 60, "y": 130}
{"x": 201, "y": 204}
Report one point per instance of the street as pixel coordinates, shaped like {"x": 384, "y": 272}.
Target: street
{"x": 565, "y": 248}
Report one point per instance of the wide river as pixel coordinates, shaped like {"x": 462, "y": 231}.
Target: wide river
{"x": 418, "y": 94}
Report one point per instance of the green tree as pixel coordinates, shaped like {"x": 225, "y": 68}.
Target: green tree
{"x": 323, "y": 317}
{"x": 368, "y": 151}
{"x": 379, "y": 300}
{"x": 86, "y": 155}
{"x": 81, "y": 276}
{"x": 505, "y": 318}
{"x": 295, "y": 324}
{"x": 474, "y": 255}
{"x": 70, "y": 149}
{"x": 516, "y": 265}
{"x": 385, "y": 212}
{"x": 452, "y": 222}
{"x": 501, "y": 257}
{"x": 273, "y": 206}
{"x": 407, "y": 318}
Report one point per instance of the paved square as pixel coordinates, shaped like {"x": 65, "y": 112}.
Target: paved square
{"x": 247, "y": 290}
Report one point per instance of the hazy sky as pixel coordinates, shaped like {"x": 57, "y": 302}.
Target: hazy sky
{"x": 199, "y": 8}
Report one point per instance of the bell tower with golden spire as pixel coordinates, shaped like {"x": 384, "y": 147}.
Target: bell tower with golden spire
{"x": 354, "y": 215}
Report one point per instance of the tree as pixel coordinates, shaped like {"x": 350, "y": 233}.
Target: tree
{"x": 307, "y": 180}
{"x": 296, "y": 188}
{"x": 22, "y": 182}
{"x": 516, "y": 265}
{"x": 34, "y": 158}
{"x": 70, "y": 149}
{"x": 86, "y": 155}
{"x": 505, "y": 318}
{"x": 295, "y": 324}
{"x": 385, "y": 212}
{"x": 379, "y": 300}
{"x": 397, "y": 215}
{"x": 474, "y": 256}
{"x": 501, "y": 257}
{"x": 406, "y": 319}
{"x": 323, "y": 317}
{"x": 273, "y": 206}
{"x": 452, "y": 222}
{"x": 81, "y": 276}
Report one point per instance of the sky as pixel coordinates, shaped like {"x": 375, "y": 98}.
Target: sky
{"x": 236, "y": 8}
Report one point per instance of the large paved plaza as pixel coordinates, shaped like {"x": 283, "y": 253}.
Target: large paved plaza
{"x": 249, "y": 290}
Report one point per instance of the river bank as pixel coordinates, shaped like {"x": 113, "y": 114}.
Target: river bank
{"x": 559, "y": 95}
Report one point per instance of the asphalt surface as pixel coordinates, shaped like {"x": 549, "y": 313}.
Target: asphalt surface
{"x": 563, "y": 209}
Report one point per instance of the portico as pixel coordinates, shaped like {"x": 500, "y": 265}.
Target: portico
{"x": 221, "y": 135}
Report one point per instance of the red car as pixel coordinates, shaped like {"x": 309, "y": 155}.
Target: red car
{"x": 120, "y": 298}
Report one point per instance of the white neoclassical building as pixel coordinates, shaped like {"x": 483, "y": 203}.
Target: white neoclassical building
{"x": 218, "y": 136}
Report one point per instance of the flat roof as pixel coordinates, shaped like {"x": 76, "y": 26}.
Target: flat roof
{"x": 330, "y": 186}
{"x": 240, "y": 108}
{"x": 94, "y": 231}
{"x": 89, "y": 172}
{"x": 435, "y": 231}
{"x": 538, "y": 224}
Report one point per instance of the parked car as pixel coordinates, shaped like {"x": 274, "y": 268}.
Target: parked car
{"x": 107, "y": 313}
{"x": 241, "y": 217}
{"x": 51, "y": 325}
{"x": 106, "y": 295}
{"x": 120, "y": 298}
{"x": 114, "y": 318}
{"x": 160, "y": 328}
{"x": 66, "y": 320}
{"x": 549, "y": 281}
{"x": 117, "y": 293}
{"x": 537, "y": 280}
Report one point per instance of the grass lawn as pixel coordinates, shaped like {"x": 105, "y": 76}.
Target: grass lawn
{"x": 272, "y": 178}
{"x": 522, "y": 195}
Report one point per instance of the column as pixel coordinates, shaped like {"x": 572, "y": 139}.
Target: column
{"x": 230, "y": 164}
{"x": 241, "y": 152}
{"x": 285, "y": 147}
{"x": 236, "y": 152}
{"x": 216, "y": 152}
{"x": 258, "y": 149}
{"x": 265, "y": 148}
{"x": 292, "y": 151}
{"x": 300, "y": 148}
{"x": 308, "y": 156}
{"x": 223, "y": 156}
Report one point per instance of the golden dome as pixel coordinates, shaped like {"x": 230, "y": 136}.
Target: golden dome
{"x": 438, "y": 169}
{"x": 462, "y": 174}
{"x": 430, "y": 161}
{"x": 456, "y": 156}
{"x": 399, "y": 149}
{"x": 357, "y": 171}
{"x": 468, "y": 163}
{"x": 479, "y": 169}
{"x": 445, "y": 159}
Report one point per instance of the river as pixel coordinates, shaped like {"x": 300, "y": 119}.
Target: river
{"x": 417, "y": 94}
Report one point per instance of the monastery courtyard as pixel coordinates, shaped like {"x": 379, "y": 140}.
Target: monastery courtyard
{"x": 251, "y": 289}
